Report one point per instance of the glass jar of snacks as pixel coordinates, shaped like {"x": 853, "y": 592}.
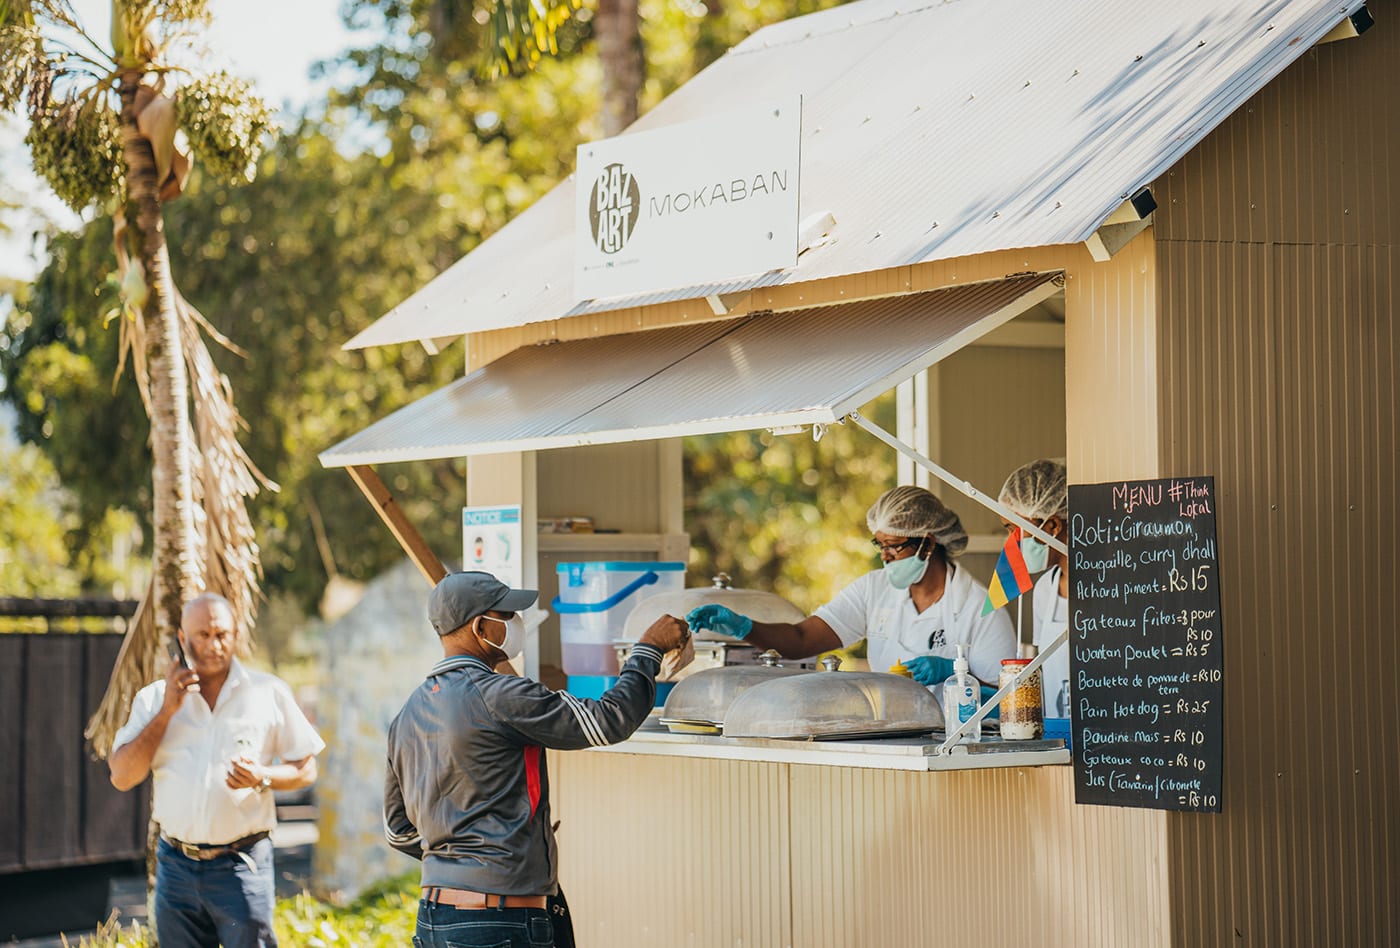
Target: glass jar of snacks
{"x": 1021, "y": 716}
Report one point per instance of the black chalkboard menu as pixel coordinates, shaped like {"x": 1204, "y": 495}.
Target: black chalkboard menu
{"x": 1145, "y": 644}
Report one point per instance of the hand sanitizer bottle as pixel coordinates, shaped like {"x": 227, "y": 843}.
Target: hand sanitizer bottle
{"x": 961, "y": 695}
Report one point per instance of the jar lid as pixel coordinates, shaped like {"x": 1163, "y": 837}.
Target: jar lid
{"x": 1017, "y": 661}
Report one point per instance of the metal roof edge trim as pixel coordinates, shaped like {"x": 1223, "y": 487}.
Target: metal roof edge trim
{"x": 817, "y": 415}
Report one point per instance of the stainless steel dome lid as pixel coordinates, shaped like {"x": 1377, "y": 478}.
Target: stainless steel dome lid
{"x": 697, "y": 704}
{"x": 757, "y": 605}
{"x": 833, "y": 705}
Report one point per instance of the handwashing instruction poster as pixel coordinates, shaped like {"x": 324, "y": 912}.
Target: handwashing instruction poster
{"x": 491, "y": 542}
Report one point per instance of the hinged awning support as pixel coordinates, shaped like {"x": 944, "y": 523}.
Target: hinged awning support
{"x": 957, "y": 483}
{"x": 942, "y": 750}
{"x": 393, "y": 516}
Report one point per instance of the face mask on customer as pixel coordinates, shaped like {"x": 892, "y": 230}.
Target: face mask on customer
{"x": 514, "y": 641}
{"x": 906, "y": 572}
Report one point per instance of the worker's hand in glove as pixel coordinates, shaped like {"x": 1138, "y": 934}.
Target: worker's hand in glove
{"x": 929, "y": 669}
{"x": 719, "y": 619}
{"x": 987, "y": 692}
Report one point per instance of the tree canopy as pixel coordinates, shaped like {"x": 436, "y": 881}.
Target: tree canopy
{"x": 411, "y": 165}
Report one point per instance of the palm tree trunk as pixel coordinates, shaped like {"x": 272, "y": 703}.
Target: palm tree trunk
{"x": 174, "y": 566}
{"x": 175, "y": 573}
{"x": 616, "y": 26}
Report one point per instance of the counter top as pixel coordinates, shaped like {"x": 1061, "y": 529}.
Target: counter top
{"x": 892, "y": 753}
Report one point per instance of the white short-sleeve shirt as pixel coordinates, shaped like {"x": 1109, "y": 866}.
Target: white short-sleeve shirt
{"x": 1050, "y": 612}
{"x": 255, "y": 715}
{"x": 872, "y": 609}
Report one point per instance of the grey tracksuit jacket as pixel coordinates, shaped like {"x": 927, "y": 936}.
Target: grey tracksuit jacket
{"x": 467, "y": 789}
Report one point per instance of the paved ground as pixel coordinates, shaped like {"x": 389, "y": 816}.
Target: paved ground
{"x": 293, "y": 840}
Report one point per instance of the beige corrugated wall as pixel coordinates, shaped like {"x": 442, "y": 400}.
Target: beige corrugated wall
{"x": 673, "y": 851}
{"x": 1279, "y": 255}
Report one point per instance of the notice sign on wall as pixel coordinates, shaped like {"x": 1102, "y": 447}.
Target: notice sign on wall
{"x": 491, "y": 542}
{"x": 1145, "y": 644}
{"x": 699, "y": 202}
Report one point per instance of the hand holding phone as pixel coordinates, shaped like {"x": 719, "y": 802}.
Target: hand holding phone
{"x": 181, "y": 678}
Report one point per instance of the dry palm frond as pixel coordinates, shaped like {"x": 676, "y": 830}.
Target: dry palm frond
{"x": 224, "y": 478}
{"x": 137, "y": 664}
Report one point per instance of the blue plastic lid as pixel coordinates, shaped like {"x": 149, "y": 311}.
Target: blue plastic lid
{"x": 623, "y": 566}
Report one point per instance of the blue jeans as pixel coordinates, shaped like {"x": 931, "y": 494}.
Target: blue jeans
{"x": 442, "y": 926}
{"x": 222, "y": 901}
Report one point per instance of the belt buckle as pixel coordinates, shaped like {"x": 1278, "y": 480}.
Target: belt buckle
{"x": 190, "y": 850}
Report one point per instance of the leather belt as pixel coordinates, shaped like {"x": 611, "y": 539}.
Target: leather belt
{"x": 467, "y": 899}
{"x": 207, "y": 851}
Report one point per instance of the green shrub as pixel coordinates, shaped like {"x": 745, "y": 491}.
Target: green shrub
{"x": 383, "y": 917}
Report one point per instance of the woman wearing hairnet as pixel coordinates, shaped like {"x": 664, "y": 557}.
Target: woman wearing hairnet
{"x": 915, "y": 610}
{"x": 1039, "y": 491}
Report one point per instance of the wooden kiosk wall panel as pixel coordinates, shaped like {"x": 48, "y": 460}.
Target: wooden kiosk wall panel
{"x": 1279, "y": 243}
{"x": 992, "y": 857}
{"x": 672, "y": 851}
{"x": 1280, "y": 377}
{"x": 1110, "y": 365}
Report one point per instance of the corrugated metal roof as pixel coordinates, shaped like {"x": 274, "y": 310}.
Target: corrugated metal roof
{"x": 930, "y": 131}
{"x": 801, "y": 367}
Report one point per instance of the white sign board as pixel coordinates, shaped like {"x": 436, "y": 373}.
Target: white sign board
{"x": 700, "y": 202}
{"x": 491, "y": 542}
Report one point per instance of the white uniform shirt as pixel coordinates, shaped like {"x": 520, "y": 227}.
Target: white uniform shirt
{"x": 255, "y": 715}
{"x": 1051, "y": 614}
{"x": 872, "y": 609}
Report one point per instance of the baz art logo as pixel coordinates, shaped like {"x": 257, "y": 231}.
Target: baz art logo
{"x": 613, "y": 207}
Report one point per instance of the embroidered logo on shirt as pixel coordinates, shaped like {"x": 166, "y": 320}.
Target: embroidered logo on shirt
{"x": 936, "y": 639}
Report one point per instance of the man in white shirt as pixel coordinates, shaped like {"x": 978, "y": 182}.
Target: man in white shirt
{"x": 210, "y": 733}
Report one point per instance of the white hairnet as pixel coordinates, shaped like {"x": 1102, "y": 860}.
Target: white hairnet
{"x": 910, "y": 511}
{"x": 1038, "y": 490}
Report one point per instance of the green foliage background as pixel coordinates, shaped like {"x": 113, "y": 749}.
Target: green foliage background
{"x": 409, "y": 166}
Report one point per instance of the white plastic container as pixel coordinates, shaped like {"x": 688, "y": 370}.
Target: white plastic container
{"x": 593, "y": 604}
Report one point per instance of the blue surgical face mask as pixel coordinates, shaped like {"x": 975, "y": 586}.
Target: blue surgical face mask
{"x": 1035, "y": 553}
{"x": 906, "y": 572}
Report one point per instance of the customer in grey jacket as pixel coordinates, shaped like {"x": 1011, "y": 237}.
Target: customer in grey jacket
{"x": 467, "y": 789}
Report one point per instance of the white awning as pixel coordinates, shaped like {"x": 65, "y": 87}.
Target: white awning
{"x": 761, "y": 371}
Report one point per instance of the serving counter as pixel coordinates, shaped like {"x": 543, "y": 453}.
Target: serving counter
{"x": 917, "y": 753}
{"x": 707, "y": 841}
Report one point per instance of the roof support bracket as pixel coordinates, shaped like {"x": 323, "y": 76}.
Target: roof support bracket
{"x": 957, "y": 483}
{"x": 393, "y": 516}
{"x": 1130, "y": 219}
{"x": 722, "y": 304}
{"x": 1353, "y": 24}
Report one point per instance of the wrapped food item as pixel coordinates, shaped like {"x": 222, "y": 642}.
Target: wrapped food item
{"x": 676, "y": 660}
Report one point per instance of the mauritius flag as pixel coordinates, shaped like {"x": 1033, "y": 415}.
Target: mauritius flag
{"x": 1011, "y": 578}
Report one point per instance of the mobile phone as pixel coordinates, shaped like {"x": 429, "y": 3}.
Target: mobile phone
{"x": 177, "y": 654}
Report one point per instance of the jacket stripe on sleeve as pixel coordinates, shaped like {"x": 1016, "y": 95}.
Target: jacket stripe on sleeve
{"x": 586, "y": 722}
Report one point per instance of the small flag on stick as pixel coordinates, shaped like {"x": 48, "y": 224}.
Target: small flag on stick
{"x": 1011, "y": 578}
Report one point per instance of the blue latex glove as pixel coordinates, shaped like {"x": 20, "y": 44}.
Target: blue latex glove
{"x": 719, "y": 619}
{"x": 995, "y": 713}
{"x": 930, "y": 669}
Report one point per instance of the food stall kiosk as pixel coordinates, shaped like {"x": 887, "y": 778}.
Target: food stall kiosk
{"x": 963, "y": 168}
